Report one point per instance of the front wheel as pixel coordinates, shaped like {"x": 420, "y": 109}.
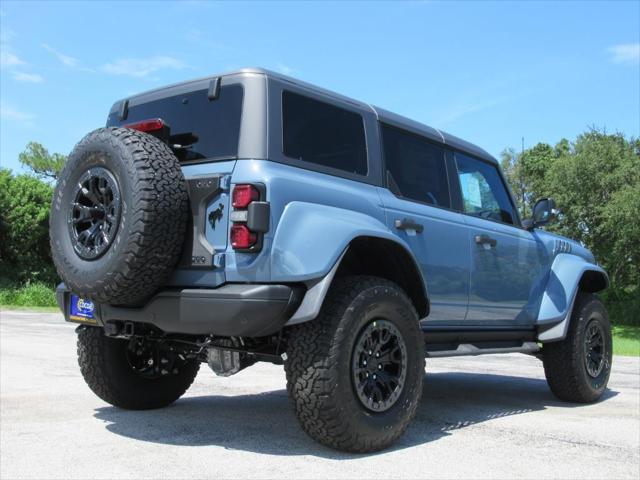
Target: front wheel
{"x": 578, "y": 367}
{"x": 132, "y": 374}
{"x": 355, "y": 373}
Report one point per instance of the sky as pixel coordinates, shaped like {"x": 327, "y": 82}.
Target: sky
{"x": 489, "y": 72}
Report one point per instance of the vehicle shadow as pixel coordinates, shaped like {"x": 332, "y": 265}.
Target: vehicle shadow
{"x": 264, "y": 423}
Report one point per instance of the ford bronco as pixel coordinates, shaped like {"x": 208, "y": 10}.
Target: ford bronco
{"x": 252, "y": 217}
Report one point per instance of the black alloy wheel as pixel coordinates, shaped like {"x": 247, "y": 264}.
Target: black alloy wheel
{"x": 94, "y": 213}
{"x": 594, "y": 349}
{"x": 379, "y": 365}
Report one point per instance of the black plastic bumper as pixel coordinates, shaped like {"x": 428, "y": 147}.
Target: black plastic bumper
{"x": 243, "y": 310}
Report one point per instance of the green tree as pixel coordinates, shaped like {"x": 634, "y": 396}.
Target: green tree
{"x": 595, "y": 181}
{"x": 597, "y": 187}
{"x": 44, "y": 164}
{"x": 536, "y": 162}
{"x": 24, "y": 230}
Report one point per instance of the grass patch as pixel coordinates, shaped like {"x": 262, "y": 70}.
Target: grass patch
{"x": 31, "y": 295}
{"x": 626, "y": 340}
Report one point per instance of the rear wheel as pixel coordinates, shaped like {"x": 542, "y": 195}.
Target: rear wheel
{"x": 578, "y": 367}
{"x": 133, "y": 374}
{"x": 355, "y": 373}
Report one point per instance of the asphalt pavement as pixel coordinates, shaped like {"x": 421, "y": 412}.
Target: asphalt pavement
{"x": 481, "y": 417}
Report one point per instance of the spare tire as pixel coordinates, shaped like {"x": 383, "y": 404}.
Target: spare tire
{"x": 118, "y": 217}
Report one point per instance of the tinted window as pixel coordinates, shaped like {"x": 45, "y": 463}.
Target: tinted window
{"x": 483, "y": 192}
{"x": 415, "y": 168}
{"x": 323, "y": 134}
{"x": 204, "y": 129}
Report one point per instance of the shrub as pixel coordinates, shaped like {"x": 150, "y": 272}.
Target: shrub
{"x": 31, "y": 295}
{"x": 25, "y": 256}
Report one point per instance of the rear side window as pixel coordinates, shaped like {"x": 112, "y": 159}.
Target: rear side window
{"x": 416, "y": 168}
{"x": 483, "y": 192}
{"x": 323, "y": 134}
{"x": 199, "y": 128}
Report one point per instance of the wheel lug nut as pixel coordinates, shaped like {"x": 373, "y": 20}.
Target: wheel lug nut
{"x": 377, "y": 355}
{"x": 364, "y": 362}
{"x": 379, "y": 367}
{"x": 375, "y": 376}
{"x": 370, "y": 352}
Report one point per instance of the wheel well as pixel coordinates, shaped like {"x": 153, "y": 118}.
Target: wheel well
{"x": 593, "y": 281}
{"x": 389, "y": 260}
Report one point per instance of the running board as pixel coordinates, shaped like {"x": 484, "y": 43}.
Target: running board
{"x": 470, "y": 349}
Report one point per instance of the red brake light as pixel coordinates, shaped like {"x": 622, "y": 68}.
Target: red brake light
{"x": 152, "y": 125}
{"x": 243, "y": 195}
{"x": 242, "y": 237}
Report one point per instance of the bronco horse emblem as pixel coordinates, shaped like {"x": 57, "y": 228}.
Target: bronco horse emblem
{"x": 216, "y": 215}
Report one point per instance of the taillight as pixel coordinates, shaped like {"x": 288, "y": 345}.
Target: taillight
{"x": 152, "y": 125}
{"x": 243, "y": 195}
{"x": 250, "y": 217}
{"x": 242, "y": 238}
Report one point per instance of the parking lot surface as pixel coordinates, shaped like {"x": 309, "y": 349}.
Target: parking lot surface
{"x": 480, "y": 417}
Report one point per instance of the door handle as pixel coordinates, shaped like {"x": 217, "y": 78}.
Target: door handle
{"x": 409, "y": 224}
{"x": 486, "y": 240}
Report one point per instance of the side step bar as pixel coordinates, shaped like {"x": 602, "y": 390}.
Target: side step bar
{"x": 464, "y": 349}
{"x": 455, "y": 341}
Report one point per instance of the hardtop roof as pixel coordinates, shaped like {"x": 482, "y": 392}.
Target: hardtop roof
{"x": 385, "y": 116}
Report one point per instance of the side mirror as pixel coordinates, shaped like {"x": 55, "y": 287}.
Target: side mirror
{"x": 544, "y": 211}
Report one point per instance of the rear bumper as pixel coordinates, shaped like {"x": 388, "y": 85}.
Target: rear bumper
{"x": 243, "y": 310}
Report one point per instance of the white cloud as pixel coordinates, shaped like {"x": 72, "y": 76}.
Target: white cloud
{"x": 27, "y": 77}
{"x": 462, "y": 109}
{"x": 65, "y": 59}
{"x": 9, "y": 113}
{"x": 625, "y": 53}
{"x": 286, "y": 69}
{"x": 8, "y": 58}
{"x": 142, "y": 67}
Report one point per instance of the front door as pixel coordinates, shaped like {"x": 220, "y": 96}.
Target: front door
{"x": 506, "y": 260}
{"x": 418, "y": 209}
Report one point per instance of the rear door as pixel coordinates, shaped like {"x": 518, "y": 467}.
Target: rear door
{"x": 506, "y": 260}
{"x": 417, "y": 202}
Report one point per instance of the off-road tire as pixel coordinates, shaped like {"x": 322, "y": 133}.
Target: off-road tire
{"x": 107, "y": 372}
{"x": 152, "y": 224}
{"x": 564, "y": 361}
{"x": 318, "y": 366}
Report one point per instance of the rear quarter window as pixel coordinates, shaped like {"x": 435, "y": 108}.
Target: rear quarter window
{"x": 416, "y": 167}
{"x": 323, "y": 134}
{"x": 199, "y": 128}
